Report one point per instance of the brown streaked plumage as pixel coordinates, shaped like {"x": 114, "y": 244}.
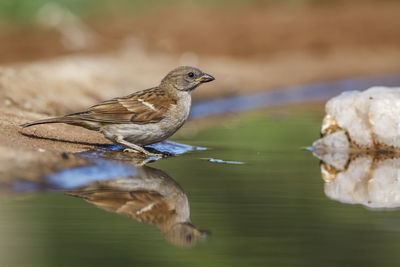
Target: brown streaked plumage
{"x": 152, "y": 197}
{"x": 144, "y": 117}
{"x": 132, "y": 108}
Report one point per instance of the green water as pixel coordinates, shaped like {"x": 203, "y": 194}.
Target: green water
{"x": 271, "y": 210}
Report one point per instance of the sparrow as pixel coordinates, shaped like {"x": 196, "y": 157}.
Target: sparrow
{"x": 144, "y": 117}
{"x": 151, "y": 196}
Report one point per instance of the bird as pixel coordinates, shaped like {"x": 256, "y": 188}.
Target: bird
{"x": 143, "y": 117}
{"x": 150, "y": 196}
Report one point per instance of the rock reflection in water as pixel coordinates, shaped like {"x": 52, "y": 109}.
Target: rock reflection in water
{"x": 151, "y": 196}
{"x": 372, "y": 180}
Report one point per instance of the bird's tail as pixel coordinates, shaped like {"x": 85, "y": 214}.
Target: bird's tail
{"x": 51, "y": 120}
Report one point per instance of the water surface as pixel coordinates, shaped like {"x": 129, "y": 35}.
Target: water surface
{"x": 270, "y": 210}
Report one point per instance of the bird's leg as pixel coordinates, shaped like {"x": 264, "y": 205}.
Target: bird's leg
{"x": 134, "y": 148}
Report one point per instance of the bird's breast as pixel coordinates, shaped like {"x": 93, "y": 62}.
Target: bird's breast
{"x": 177, "y": 115}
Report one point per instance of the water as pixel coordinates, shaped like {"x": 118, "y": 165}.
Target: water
{"x": 292, "y": 95}
{"x": 270, "y": 210}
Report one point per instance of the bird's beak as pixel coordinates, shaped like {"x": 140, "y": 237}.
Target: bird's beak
{"x": 205, "y": 78}
{"x": 201, "y": 234}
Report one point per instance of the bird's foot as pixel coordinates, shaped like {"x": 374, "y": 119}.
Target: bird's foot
{"x": 168, "y": 154}
{"x": 146, "y": 153}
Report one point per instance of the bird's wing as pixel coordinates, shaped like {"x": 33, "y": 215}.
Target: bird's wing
{"x": 144, "y": 206}
{"x": 147, "y": 106}
{"x": 148, "y": 207}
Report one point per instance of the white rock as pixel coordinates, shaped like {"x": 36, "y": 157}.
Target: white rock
{"x": 370, "y": 119}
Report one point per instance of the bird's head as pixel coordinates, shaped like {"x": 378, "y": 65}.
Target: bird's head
{"x": 185, "y": 235}
{"x": 186, "y": 78}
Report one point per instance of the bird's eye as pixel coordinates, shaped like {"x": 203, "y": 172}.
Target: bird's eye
{"x": 191, "y": 74}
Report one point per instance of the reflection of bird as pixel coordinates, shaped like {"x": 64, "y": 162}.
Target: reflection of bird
{"x": 144, "y": 117}
{"x": 152, "y": 197}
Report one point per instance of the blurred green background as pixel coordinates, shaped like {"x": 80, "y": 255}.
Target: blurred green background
{"x": 23, "y": 11}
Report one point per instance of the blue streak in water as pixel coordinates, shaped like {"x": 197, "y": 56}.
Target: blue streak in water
{"x": 174, "y": 148}
{"x": 84, "y": 175}
{"x": 25, "y": 186}
{"x": 225, "y": 161}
